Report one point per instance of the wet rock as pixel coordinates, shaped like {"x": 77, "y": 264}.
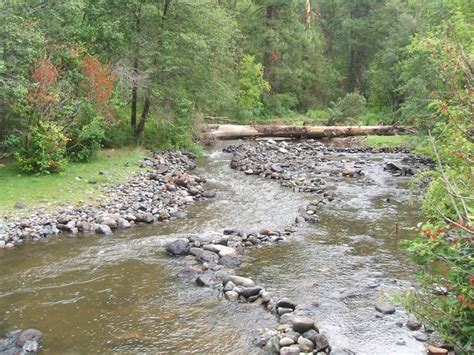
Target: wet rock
{"x": 286, "y": 303}
{"x": 209, "y": 194}
{"x": 232, "y": 296}
{"x": 433, "y": 350}
{"x": 385, "y": 308}
{"x": 413, "y": 324}
{"x": 302, "y": 324}
{"x": 242, "y": 281}
{"x": 206, "y": 280}
{"x": 230, "y": 261}
{"x": 229, "y": 286}
{"x": 30, "y": 346}
{"x": 29, "y": 334}
{"x": 103, "y": 229}
{"x": 321, "y": 342}
{"x": 290, "y": 350}
{"x": 209, "y": 256}
{"x": 305, "y": 345}
{"x": 250, "y": 291}
{"x": 178, "y": 247}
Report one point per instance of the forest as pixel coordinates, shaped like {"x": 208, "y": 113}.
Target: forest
{"x": 80, "y": 76}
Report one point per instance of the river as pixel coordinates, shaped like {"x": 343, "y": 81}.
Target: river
{"x": 91, "y": 294}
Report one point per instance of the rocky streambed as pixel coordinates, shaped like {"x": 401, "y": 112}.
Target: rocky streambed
{"x": 259, "y": 268}
{"x": 159, "y": 194}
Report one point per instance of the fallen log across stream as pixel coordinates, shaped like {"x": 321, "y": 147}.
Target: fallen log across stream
{"x": 228, "y": 131}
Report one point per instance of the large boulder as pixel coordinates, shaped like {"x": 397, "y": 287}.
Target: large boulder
{"x": 178, "y": 247}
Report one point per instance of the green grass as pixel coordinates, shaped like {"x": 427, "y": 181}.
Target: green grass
{"x": 72, "y": 186}
{"x": 415, "y": 144}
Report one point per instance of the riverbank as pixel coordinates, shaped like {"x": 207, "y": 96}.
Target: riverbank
{"x": 78, "y": 183}
{"x": 160, "y": 193}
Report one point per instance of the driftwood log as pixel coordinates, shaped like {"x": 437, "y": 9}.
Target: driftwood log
{"x": 227, "y": 131}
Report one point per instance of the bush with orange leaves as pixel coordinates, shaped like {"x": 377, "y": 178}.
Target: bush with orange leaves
{"x": 44, "y": 96}
{"x": 99, "y": 83}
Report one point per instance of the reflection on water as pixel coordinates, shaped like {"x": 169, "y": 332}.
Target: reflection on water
{"x": 93, "y": 294}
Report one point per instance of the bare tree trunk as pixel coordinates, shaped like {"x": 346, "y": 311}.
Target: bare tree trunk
{"x": 146, "y": 110}
{"x": 238, "y": 131}
{"x": 270, "y": 56}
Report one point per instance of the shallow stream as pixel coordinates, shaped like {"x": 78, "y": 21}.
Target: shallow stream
{"x": 91, "y": 294}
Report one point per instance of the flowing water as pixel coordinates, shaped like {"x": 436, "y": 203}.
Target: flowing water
{"x": 91, "y": 294}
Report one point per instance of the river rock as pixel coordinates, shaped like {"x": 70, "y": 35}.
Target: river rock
{"x": 283, "y": 310}
{"x": 229, "y": 286}
{"x": 306, "y": 345}
{"x": 290, "y": 350}
{"x": 310, "y": 334}
{"x": 29, "y": 334}
{"x": 433, "y": 350}
{"x": 242, "y": 281}
{"x": 103, "y": 229}
{"x": 286, "y": 341}
{"x": 413, "y": 324}
{"x": 145, "y": 217}
{"x": 230, "y": 261}
{"x": 250, "y": 291}
{"x": 321, "y": 342}
{"x": 265, "y": 296}
{"x": 286, "y": 318}
{"x": 232, "y": 296}
{"x": 273, "y": 345}
{"x": 302, "y": 324}
{"x": 209, "y": 256}
{"x": 286, "y": 303}
{"x": 178, "y": 247}
{"x": 122, "y": 223}
{"x": 385, "y": 308}
{"x": 206, "y": 280}
{"x": 197, "y": 252}
{"x": 209, "y": 194}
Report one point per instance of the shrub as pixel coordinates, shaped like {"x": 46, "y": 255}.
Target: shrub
{"x": 45, "y": 150}
{"x": 350, "y": 106}
{"x": 87, "y": 143}
{"x": 252, "y": 85}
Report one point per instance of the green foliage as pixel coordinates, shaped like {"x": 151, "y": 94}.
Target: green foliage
{"x": 446, "y": 298}
{"x": 251, "y": 84}
{"x": 349, "y": 107}
{"x": 45, "y": 150}
{"x": 86, "y": 144}
{"x": 439, "y": 78}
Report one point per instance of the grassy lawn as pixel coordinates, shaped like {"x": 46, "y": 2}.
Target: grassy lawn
{"x": 78, "y": 182}
{"x": 415, "y": 144}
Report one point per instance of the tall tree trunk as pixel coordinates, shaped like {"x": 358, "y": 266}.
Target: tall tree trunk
{"x": 146, "y": 110}
{"x": 133, "y": 117}
{"x": 271, "y": 55}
